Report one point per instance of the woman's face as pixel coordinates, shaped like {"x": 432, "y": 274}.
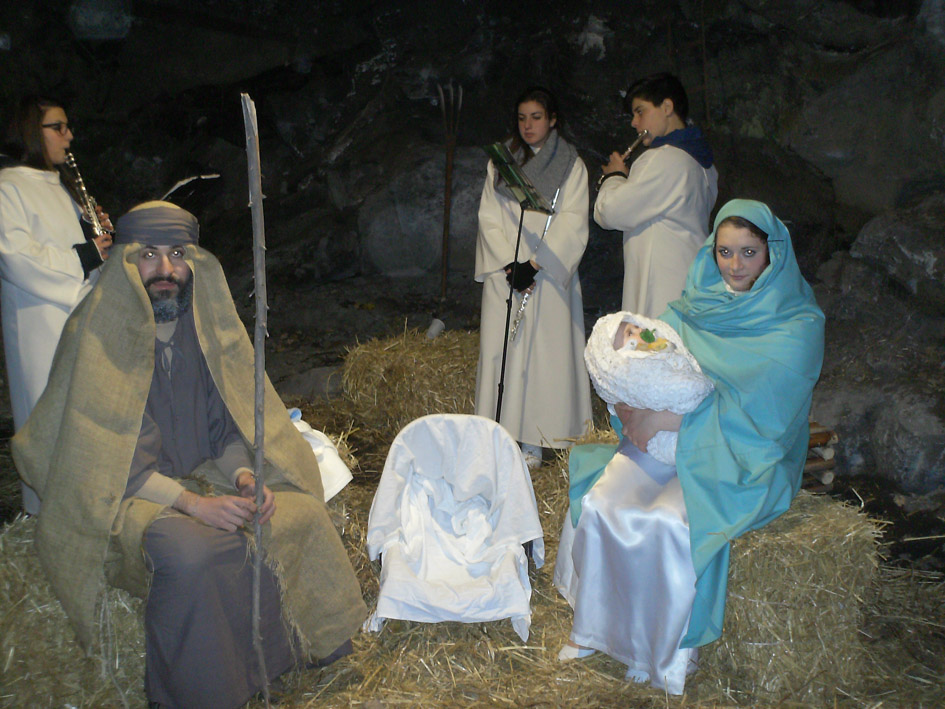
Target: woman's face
{"x": 650, "y": 117}
{"x": 57, "y": 136}
{"x": 534, "y": 125}
{"x": 740, "y": 255}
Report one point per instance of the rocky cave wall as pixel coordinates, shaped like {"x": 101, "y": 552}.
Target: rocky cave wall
{"x": 833, "y": 111}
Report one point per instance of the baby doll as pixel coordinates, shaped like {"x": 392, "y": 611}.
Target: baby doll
{"x": 643, "y": 363}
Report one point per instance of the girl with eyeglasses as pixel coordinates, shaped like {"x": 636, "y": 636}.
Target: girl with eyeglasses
{"x": 47, "y": 265}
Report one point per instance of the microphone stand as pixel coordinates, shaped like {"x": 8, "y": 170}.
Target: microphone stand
{"x": 508, "y": 318}
{"x": 529, "y": 198}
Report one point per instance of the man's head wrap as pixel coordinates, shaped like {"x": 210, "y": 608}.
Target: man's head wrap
{"x": 157, "y": 224}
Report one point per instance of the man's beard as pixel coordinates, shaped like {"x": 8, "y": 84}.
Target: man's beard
{"x": 166, "y": 306}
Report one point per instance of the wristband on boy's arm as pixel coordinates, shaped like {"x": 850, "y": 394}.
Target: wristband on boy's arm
{"x": 608, "y": 175}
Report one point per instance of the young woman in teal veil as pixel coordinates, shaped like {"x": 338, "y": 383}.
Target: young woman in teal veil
{"x": 644, "y": 553}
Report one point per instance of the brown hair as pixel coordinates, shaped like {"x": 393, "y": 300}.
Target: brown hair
{"x": 25, "y": 134}
{"x": 656, "y": 88}
{"x": 546, "y": 100}
{"x": 25, "y": 138}
{"x": 743, "y": 223}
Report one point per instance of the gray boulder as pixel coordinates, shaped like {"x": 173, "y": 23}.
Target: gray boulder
{"x": 883, "y": 383}
{"x": 907, "y": 245}
{"x": 875, "y": 156}
{"x": 401, "y": 223}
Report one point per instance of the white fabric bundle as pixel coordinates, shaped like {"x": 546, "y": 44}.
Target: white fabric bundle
{"x": 667, "y": 380}
{"x": 335, "y": 474}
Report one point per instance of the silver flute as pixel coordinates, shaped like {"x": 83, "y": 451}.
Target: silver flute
{"x": 88, "y": 202}
{"x": 520, "y": 313}
{"x": 626, "y": 153}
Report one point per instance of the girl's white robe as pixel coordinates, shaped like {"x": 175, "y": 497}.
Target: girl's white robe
{"x": 547, "y": 393}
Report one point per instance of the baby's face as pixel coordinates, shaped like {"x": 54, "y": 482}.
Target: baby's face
{"x": 627, "y": 332}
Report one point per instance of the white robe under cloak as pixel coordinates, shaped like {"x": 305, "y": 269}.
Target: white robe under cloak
{"x": 663, "y": 210}
{"x": 627, "y": 571}
{"x": 547, "y": 392}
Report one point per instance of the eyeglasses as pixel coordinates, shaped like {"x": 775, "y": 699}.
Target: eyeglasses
{"x": 61, "y": 127}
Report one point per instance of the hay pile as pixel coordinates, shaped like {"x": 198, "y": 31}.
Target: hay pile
{"x": 393, "y": 381}
{"x": 796, "y": 605}
{"x": 485, "y": 664}
{"x": 810, "y": 618}
{"x": 453, "y": 664}
{"x": 796, "y": 601}
{"x": 41, "y": 664}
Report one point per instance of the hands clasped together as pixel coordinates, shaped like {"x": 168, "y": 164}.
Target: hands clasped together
{"x": 640, "y": 425}
{"x": 229, "y": 512}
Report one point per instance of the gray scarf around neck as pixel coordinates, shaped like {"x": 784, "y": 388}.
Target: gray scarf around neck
{"x": 547, "y": 170}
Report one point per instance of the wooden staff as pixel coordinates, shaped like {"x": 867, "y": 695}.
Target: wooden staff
{"x": 259, "y": 361}
{"x": 450, "y": 125}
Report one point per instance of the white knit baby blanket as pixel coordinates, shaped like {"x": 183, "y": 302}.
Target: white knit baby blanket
{"x": 667, "y": 380}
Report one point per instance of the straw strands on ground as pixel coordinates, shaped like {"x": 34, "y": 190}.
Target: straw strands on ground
{"x": 794, "y": 635}
{"x": 811, "y": 617}
{"x": 813, "y": 566}
{"x": 485, "y": 664}
{"x": 41, "y": 664}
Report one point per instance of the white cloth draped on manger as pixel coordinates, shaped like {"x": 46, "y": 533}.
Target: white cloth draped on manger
{"x": 453, "y": 508}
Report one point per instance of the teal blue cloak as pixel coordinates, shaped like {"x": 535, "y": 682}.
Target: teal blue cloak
{"x": 741, "y": 452}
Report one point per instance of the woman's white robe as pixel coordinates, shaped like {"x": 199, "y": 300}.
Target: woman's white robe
{"x": 547, "y": 393}
{"x": 41, "y": 277}
{"x": 663, "y": 210}
{"x": 41, "y": 282}
{"x": 627, "y": 570}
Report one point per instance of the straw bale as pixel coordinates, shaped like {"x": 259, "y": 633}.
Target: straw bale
{"x": 795, "y": 605}
{"x": 396, "y": 380}
{"x": 41, "y": 664}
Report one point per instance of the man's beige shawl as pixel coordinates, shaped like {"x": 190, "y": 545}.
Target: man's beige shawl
{"x": 77, "y": 446}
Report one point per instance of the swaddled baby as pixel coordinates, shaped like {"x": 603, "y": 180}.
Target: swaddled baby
{"x": 643, "y": 363}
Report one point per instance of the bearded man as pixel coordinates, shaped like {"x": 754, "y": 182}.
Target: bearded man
{"x": 139, "y": 451}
